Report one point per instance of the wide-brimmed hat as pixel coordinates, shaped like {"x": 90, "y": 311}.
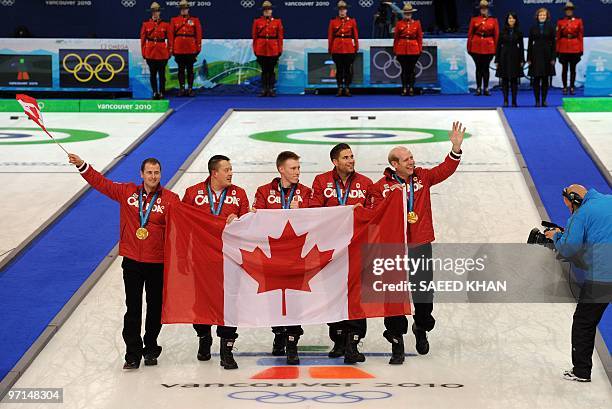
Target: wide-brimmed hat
{"x": 408, "y": 8}
{"x": 342, "y": 5}
{"x": 484, "y": 4}
{"x": 266, "y": 5}
{"x": 155, "y": 7}
{"x": 183, "y": 4}
{"x": 569, "y": 6}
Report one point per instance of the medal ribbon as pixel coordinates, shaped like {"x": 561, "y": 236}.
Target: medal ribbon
{"x": 411, "y": 188}
{"x": 286, "y": 204}
{"x": 216, "y": 210}
{"x": 343, "y": 198}
{"x": 144, "y": 217}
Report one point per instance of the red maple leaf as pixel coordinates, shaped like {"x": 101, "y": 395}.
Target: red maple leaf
{"x": 286, "y": 268}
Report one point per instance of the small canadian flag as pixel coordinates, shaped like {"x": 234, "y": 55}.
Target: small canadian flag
{"x": 30, "y": 107}
{"x": 276, "y": 267}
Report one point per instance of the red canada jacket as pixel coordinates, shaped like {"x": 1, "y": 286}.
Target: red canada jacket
{"x": 268, "y": 36}
{"x": 150, "y": 250}
{"x": 342, "y": 36}
{"x": 570, "y": 35}
{"x": 269, "y": 196}
{"x": 324, "y": 189}
{"x": 408, "y": 38}
{"x": 187, "y": 33}
{"x": 236, "y": 201}
{"x": 483, "y": 34}
{"x": 422, "y": 231}
{"x": 156, "y": 39}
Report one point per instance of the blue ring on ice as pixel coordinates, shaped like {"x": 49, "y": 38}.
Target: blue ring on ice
{"x": 358, "y": 135}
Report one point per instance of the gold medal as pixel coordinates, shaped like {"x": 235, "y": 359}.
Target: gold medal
{"x": 412, "y": 217}
{"x": 142, "y": 233}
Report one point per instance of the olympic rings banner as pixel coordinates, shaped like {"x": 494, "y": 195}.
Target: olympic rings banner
{"x": 94, "y": 68}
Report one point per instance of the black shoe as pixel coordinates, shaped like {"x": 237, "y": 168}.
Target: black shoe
{"x": 347, "y": 92}
{"x": 487, "y": 93}
{"x": 204, "y": 348}
{"x": 422, "y": 344}
{"x": 411, "y": 92}
{"x": 227, "y": 358}
{"x": 191, "y": 93}
{"x": 339, "y": 345}
{"x": 404, "y": 92}
{"x": 572, "y": 91}
{"x": 478, "y": 92}
{"x": 537, "y": 104}
{"x": 156, "y": 96}
{"x": 514, "y": 105}
{"x": 131, "y": 365}
{"x": 151, "y": 355}
{"x": 292, "y": 350}
{"x": 544, "y": 104}
{"x": 150, "y": 360}
{"x": 397, "y": 348}
{"x": 505, "y": 104}
{"x": 351, "y": 353}
{"x": 271, "y": 93}
{"x": 564, "y": 91}
{"x": 263, "y": 93}
{"x": 340, "y": 92}
{"x": 278, "y": 345}
{"x": 181, "y": 92}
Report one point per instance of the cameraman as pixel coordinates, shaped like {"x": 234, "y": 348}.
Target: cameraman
{"x": 588, "y": 235}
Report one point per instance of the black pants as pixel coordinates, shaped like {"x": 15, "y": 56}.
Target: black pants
{"x": 358, "y": 326}
{"x": 344, "y": 69}
{"x": 185, "y": 65}
{"x": 423, "y": 300}
{"x": 268, "y": 77}
{"x": 157, "y": 68}
{"x": 592, "y": 303}
{"x": 204, "y": 330}
{"x": 569, "y": 61}
{"x": 408, "y": 63}
{"x": 446, "y": 14}
{"x": 507, "y": 85}
{"x": 295, "y": 330}
{"x": 540, "y": 88}
{"x": 136, "y": 277}
{"x": 482, "y": 62}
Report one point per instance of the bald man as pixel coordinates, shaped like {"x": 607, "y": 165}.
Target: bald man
{"x": 588, "y": 235}
{"x": 420, "y": 234}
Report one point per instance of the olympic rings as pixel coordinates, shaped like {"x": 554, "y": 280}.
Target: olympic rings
{"x": 391, "y": 61}
{"x": 247, "y": 4}
{"x": 314, "y": 396}
{"x": 100, "y": 64}
{"x": 366, "y": 3}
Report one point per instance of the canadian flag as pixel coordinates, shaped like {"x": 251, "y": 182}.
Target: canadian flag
{"x": 279, "y": 267}
{"x": 31, "y": 109}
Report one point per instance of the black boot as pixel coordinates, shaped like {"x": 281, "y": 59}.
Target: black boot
{"x": 339, "y": 339}
{"x": 279, "y": 343}
{"x": 422, "y": 344}
{"x": 227, "y": 358}
{"x": 397, "y": 348}
{"x": 128, "y": 365}
{"x": 204, "y": 348}
{"x": 351, "y": 353}
{"x": 292, "y": 350}
{"x": 150, "y": 356}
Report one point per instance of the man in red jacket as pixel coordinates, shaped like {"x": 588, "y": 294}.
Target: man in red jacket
{"x": 268, "y": 35}
{"x": 220, "y": 197}
{"x": 285, "y": 192}
{"x": 420, "y": 234}
{"x": 187, "y": 33}
{"x": 156, "y": 46}
{"x": 343, "y": 44}
{"x": 143, "y": 222}
{"x": 342, "y": 186}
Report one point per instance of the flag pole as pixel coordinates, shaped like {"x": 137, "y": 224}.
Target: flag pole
{"x": 55, "y": 140}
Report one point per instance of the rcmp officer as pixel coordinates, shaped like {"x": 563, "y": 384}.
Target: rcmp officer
{"x": 156, "y": 46}
{"x": 187, "y": 33}
{"x": 570, "y": 34}
{"x": 342, "y": 186}
{"x": 420, "y": 234}
{"x": 268, "y": 35}
{"x": 143, "y": 221}
{"x": 483, "y": 34}
{"x": 219, "y": 196}
{"x": 343, "y": 44}
{"x": 407, "y": 47}
{"x": 285, "y": 192}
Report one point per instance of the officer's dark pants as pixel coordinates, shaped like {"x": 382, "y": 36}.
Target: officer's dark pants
{"x": 344, "y": 69}
{"x": 570, "y": 61}
{"x": 482, "y": 62}
{"x": 157, "y": 68}
{"x": 204, "y": 330}
{"x": 593, "y": 301}
{"x": 268, "y": 77}
{"x": 136, "y": 276}
{"x": 423, "y": 300}
{"x": 185, "y": 65}
{"x": 408, "y": 64}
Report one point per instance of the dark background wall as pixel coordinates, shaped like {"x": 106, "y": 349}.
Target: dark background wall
{"x": 232, "y": 18}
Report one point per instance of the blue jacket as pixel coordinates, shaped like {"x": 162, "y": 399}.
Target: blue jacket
{"x": 589, "y": 233}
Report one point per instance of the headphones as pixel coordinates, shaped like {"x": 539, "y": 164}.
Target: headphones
{"x": 573, "y": 197}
